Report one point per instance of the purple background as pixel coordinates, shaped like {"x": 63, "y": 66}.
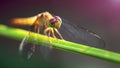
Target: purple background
{"x": 100, "y": 16}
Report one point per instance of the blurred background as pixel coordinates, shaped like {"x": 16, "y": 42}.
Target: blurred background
{"x": 99, "y": 16}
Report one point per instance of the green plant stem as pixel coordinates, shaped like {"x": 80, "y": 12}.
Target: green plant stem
{"x": 19, "y": 34}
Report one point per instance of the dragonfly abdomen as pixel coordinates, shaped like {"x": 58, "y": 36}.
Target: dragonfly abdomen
{"x": 24, "y": 21}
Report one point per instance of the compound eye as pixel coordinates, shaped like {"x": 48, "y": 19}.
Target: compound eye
{"x": 58, "y": 18}
{"x": 52, "y": 21}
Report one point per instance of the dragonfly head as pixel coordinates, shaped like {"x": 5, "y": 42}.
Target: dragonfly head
{"x": 55, "y": 22}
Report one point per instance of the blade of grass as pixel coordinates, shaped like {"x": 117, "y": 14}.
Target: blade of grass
{"x": 19, "y": 34}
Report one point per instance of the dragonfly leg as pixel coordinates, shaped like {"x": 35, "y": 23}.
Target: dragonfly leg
{"x": 58, "y": 33}
{"x": 49, "y": 30}
{"x": 45, "y": 31}
{"x": 38, "y": 29}
{"x": 53, "y": 34}
{"x": 35, "y": 28}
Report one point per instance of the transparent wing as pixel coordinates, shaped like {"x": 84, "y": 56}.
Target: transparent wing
{"x": 26, "y": 49}
{"x": 46, "y": 52}
{"x": 77, "y": 34}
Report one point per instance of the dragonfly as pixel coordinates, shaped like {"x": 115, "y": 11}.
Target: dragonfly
{"x": 56, "y": 27}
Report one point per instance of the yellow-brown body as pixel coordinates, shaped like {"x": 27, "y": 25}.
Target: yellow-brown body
{"x": 38, "y": 21}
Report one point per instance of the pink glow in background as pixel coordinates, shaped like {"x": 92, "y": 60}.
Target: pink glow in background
{"x": 102, "y": 12}
{"x": 99, "y": 16}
